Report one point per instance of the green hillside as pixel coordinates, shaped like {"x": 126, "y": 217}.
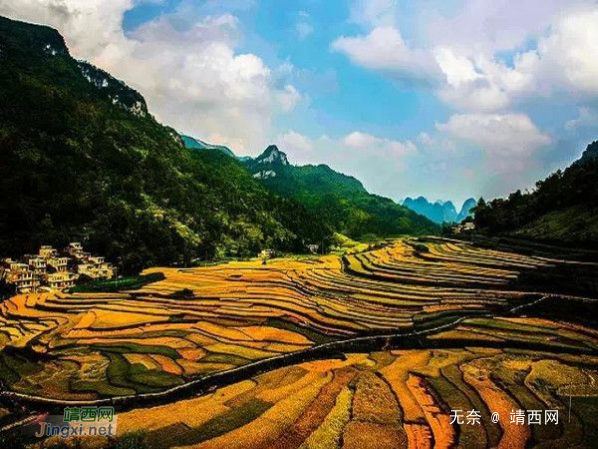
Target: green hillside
{"x": 82, "y": 159}
{"x": 340, "y": 200}
{"x": 563, "y": 208}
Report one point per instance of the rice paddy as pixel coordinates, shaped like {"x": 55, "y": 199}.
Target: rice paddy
{"x": 452, "y": 326}
{"x": 390, "y": 399}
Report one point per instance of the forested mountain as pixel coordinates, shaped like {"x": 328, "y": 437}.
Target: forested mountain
{"x": 340, "y": 200}
{"x": 82, "y": 159}
{"x": 562, "y": 208}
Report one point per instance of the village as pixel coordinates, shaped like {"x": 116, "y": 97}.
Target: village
{"x": 51, "y": 269}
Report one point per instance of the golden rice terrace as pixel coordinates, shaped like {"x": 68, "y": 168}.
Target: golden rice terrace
{"x": 369, "y": 349}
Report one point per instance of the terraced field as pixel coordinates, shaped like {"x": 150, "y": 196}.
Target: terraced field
{"x": 455, "y": 326}
{"x": 390, "y": 399}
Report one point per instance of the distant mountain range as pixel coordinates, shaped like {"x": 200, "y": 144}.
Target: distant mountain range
{"x": 563, "y": 208}
{"x": 440, "y": 212}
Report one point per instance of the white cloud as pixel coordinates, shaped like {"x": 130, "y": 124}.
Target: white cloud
{"x": 506, "y": 136}
{"x": 464, "y": 51}
{"x": 302, "y": 149}
{"x": 480, "y": 85}
{"x": 191, "y": 75}
{"x": 567, "y": 56}
{"x": 559, "y": 63}
{"x": 374, "y": 12}
{"x": 490, "y": 26}
{"x": 366, "y": 142}
{"x": 288, "y": 97}
{"x": 586, "y": 118}
{"x": 298, "y": 147}
{"x": 384, "y": 49}
{"x": 425, "y": 139}
{"x": 304, "y": 29}
{"x": 439, "y": 145}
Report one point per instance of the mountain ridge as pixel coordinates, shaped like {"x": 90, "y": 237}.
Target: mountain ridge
{"x": 193, "y": 143}
{"x": 440, "y": 211}
{"x": 86, "y": 161}
{"x": 342, "y": 200}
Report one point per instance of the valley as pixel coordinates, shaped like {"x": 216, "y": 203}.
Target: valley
{"x": 420, "y": 326}
{"x": 241, "y": 299}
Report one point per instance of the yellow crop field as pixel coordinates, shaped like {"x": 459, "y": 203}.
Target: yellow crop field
{"x": 334, "y": 404}
{"x": 371, "y": 348}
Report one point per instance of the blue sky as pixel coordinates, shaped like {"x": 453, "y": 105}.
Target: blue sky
{"x": 448, "y": 99}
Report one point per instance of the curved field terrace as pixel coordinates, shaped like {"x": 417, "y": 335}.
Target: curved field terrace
{"x": 331, "y": 351}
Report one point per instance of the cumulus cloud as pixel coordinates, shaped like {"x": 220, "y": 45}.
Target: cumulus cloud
{"x": 384, "y": 49}
{"x": 505, "y": 136}
{"x": 463, "y": 53}
{"x": 366, "y": 142}
{"x": 477, "y": 85}
{"x": 299, "y": 147}
{"x": 560, "y": 62}
{"x": 288, "y": 97}
{"x": 188, "y": 68}
{"x": 490, "y": 26}
{"x": 567, "y": 55}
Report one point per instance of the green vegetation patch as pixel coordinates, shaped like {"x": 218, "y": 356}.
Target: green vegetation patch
{"x": 14, "y": 366}
{"x": 310, "y": 334}
{"x": 101, "y": 388}
{"x": 115, "y": 285}
{"x": 127, "y": 348}
{"x": 181, "y": 435}
{"x": 154, "y": 378}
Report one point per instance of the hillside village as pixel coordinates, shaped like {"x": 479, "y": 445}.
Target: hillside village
{"x": 51, "y": 269}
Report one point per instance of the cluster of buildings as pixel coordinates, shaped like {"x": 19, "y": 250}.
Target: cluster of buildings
{"x": 272, "y": 253}
{"x": 466, "y": 227}
{"x": 50, "y": 269}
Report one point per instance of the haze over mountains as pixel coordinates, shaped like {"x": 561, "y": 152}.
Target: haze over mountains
{"x": 439, "y": 211}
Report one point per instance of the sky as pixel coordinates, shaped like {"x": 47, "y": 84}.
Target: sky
{"x": 443, "y": 98}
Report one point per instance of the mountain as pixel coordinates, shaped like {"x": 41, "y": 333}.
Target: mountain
{"x": 340, "y": 200}
{"x": 82, "y": 159}
{"x": 466, "y": 209}
{"x": 563, "y": 208}
{"x": 194, "y": 143}
{"x": 589, "y": 156}
{"x": 439, "y": 212}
